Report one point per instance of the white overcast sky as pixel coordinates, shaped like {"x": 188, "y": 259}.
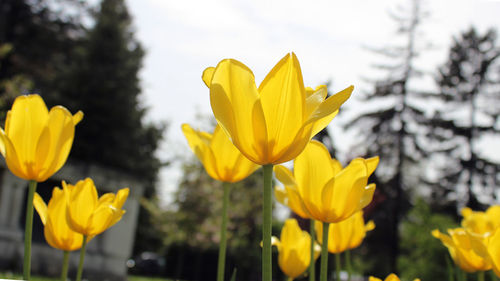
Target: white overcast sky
{"x": 182, "y": 38}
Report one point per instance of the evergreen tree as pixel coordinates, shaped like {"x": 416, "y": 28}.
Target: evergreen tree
{"x": 389, "y": 129}
{"x": 41, "y": 38}
{"x": 104, "y": 84}
{"x": 468, "y": 88}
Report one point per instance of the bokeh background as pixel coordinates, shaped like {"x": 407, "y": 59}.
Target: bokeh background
{"x": 426, "y": 100}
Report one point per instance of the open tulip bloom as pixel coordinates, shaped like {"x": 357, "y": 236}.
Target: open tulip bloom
{"x": 293, "y": 249}
{"x": 483, "y": 230}
{"x": 461, "y": 250}
{"x": 269, "y": 124}
{"x": 89, "y": 214}
{"x": 35, "y": 144}
{"x": 322, "y": 189}
{"x": 57, "y": 232}
{"x": 223, "y": 162}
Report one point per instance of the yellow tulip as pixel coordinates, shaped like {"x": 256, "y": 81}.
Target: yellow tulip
{"x": 294, "y": 248}
{"x": 221, "y": 159}
{"x": 481, "y": 224}
{"x": 493, "y": 251}
{"x": 36, "y": 142}
{"x": 88, "y": 214}
{"x": 57, "y": 232}
{"x": 461, "y": 250}
{"x": 273, "y": 123}
{"x": 390, "y": 277}
{"x": 345, "y": 235}
{"x": 328, "y": 192}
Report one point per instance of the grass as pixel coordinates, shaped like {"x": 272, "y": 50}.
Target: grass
{"x": 14, "y": 276}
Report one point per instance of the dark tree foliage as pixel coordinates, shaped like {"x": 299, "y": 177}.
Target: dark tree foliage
{"x": 191, "y": 229}
{"x": 41, "y": 38}
{"x": 468, "y": 87}
{"x": 390, "y": 128}
{"x": 103, "y": 82}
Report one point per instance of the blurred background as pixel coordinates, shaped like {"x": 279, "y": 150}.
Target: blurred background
{"x": 426, "y": 100}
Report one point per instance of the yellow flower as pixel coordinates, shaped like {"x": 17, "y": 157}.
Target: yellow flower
{"x": 294, "y": 249}
{"x": 481, "y": 224}
{"x": 56, "y": 230}
{"x": 483, "y": 229}
{"x": 88, "y": 214}
{"x": 493, "y": 251}
{"x": 461, "y": 250}
{"x": 390, "y": 277}
{"x": 328, "y": 193}
{"x": 221, "y": 159}
{"x": 345, "y": 235}
{"x": 36, "y": 142}
{"x": 273, "y": 123}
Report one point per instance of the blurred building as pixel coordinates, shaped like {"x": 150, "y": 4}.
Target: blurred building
{"x": 106, "y": 254}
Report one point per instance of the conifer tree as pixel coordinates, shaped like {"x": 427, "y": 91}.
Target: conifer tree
{"x": 468, "y": 89}
{"x": 389, "y": 128}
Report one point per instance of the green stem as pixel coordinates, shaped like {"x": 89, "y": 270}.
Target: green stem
{"x": 28, "y": 230}
{"x": 348, "y": 264}
{"x": 289, "y": 279}
{"x": 493, "y": 276}
{"x": 337, "y": 266}
{"x": 64, "y": 272}
{"x": 222, "y": 244}
{"x": 324, "y": 253}
{"x": 82, "y": 257}
{"x": 267, "y": 223}
{"x": 480, "y": 275}
{"x": 312, "y": 273}
{"x": 449, "y": 266}
{"x": 464, "y": 275}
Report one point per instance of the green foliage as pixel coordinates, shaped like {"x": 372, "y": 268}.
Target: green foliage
{"x": 422, "y": 255}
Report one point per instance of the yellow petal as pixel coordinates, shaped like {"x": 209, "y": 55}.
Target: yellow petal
{"x": 207, "y": 75}
{"x": 371, "y": 164}
{"x": 312, "y": 171}
{"x": 494, "y": 251}
{"x": 198, "y": 142}
{"x": 284, "y": 175}
{"x": 234, "y": 97}
{"x": 367, "y": 196}
{"x": 121, "y": 197}
{"x": 295, "y": 202}
{"x": 2, "y": 142}
{"x": 55, "y": 142}
{"x": 314, "y": 99}
{"x": 81, "y": 205}
{"x": 24, "y": 124}
{"x": 392, "y": 277}
{"x": 40, "y": 207}
{"x": 328, "y": 108}
{"x": 283, "y": 100}
{"x": 374, "y": 279}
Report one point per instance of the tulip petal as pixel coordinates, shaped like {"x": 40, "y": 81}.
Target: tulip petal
{"x": 314, "y": 99}
{"x": 207, "y": 75}
{"x": 24, "y": 124}
{"x": 40, "y": 207}
{"x": 199, "y": 144}
{"x": 283, "y": 101}
{"x": 295, "y": 202}
{"x": 494, "y": 251}
{"x": 55, "y": 142}
{"x": 233, "y": 97}
{"x": 309, "y": 175}
{"x": 284, "y": 175}
{"x": 367, "y": 196}
{"x": 371, "y": 164}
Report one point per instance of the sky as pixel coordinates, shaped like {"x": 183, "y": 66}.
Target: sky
{"x": 329, "y": 37}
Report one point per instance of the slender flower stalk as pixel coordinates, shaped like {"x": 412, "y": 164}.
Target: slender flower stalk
{"x": 449, "y": 267}
{"x": 324, "y": 253}
{"x": 480, "y": 276}
{"x": 267, "y": 223}
{"x": 28, "y": 230}
{"x": 348, "y": 264}
{"x": 82, "y": 257}
{"x": 338, "y": 267}
{"x": 223, "y": 230}
{"x": 312, "y": 269}
{"x": 64, "y": 271}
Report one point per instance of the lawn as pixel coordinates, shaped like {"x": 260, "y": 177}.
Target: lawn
{"x": 38, "y": 278}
